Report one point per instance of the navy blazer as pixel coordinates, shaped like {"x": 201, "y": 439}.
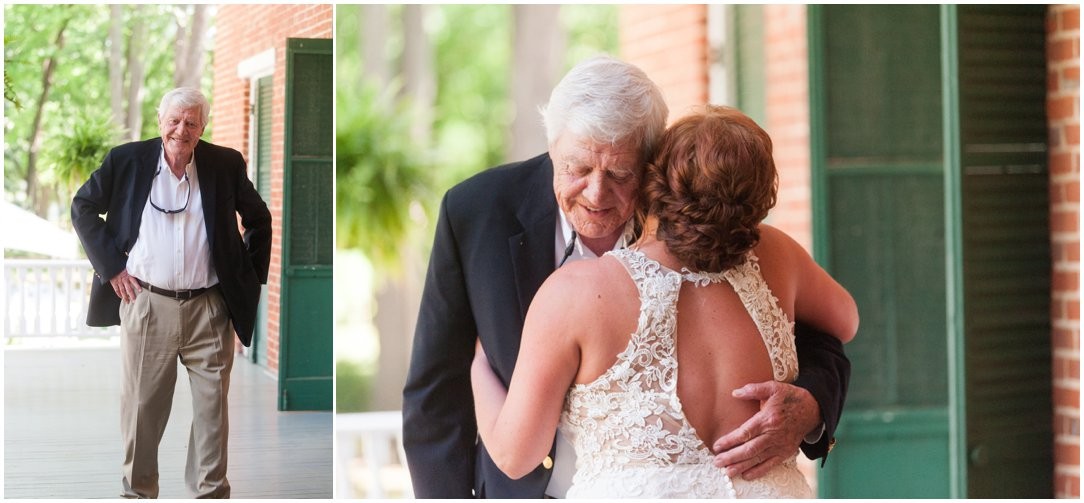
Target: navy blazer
{"x": 119, "y": 189}
{"x": 494, "y": 247}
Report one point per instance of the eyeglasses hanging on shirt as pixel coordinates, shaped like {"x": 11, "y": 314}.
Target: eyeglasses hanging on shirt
{"x": 568, "y": 249}
{"x": 187, "y": 197}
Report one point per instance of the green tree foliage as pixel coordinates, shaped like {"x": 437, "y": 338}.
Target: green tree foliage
{"x": 381, "y": 174}
{"x": 592, "y": 29}
{"x": 9, "y": 92}
{"x": 472, "y": 54}
{"x": 72, "y": 155}
{"x": 353, "y": 386}
{"x": 80, "y": 84}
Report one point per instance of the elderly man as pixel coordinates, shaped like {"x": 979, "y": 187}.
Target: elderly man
{"x": 174, "y": 272}
{"x": 503, "y": 231}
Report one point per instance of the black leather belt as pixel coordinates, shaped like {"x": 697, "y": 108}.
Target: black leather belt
{"x": 179, "y": 295}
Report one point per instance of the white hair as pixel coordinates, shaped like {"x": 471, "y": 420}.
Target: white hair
{"x": 608, "y": 101}
{"x": 186, "y": 98}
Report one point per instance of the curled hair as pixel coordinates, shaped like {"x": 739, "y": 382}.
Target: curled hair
{"x": 607, "y": 101}
{"x": 186, "y": 97}
{"x": 712, "y": 183}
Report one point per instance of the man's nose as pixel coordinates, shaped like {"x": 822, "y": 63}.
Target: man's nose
{"x": 597, "y": 187}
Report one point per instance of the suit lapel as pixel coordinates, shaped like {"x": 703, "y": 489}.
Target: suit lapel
{"x": 146, "y": 165}
{"x": 532, "y": 250}
{"x": 207, "y": 187}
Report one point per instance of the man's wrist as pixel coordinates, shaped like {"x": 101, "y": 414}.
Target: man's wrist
{"x": 811, "y": 419}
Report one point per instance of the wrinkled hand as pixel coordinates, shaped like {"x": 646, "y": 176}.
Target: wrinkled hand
{"x": 787, "y": 414}
{"x": 126, "y": 286}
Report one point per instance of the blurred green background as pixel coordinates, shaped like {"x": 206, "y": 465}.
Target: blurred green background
{"x": 79, "y": 79}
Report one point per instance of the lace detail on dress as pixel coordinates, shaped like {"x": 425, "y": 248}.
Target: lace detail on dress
{"x": 776, "y": 329}
{"x": 628, "y": 427}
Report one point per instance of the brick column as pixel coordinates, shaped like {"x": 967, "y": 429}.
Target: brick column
{"x": 670, "y": 44}
{"x": 786, "y": 72}
{"x": 1063, "y": 118}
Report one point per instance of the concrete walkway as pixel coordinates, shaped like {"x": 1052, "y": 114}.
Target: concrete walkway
{"x": 62, "y": 431}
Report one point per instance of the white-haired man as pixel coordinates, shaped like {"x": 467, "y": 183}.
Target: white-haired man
{"x": 179, "y": 278}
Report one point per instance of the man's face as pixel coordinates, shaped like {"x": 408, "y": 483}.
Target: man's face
{"x": 596, "y": 184}
{"x": 181, "y": 129}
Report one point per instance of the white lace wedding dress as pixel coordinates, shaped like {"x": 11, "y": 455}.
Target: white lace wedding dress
{"x": 630, "y": 434}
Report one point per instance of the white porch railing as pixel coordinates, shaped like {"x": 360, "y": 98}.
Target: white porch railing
{"x": 380, "y": 470}
{"x": 48, "y": 298}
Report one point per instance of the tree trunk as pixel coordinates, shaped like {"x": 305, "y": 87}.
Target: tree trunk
{"x": 33, "y": 191}
{"x": 180, "y": 16}
{"x": 399, "y": 297}
{"x": 397, "y": 302}
{"x": 188, "y": 66}
{"x": 134, "y": 124}
{"x": 116, "y": 65}
{"x": 419, "y": 81}
{"x": 373, "y": 40}
{"x": 537, "y": 60}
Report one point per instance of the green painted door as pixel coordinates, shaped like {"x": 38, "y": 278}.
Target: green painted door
{"x": 261, "y": 112}
{"x": 930, "y": 205}
{"x": 305, "y": 363}
{"x": 879, "y": 222}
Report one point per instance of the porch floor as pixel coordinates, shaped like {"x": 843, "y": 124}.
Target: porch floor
{"x": 62, "y": 431}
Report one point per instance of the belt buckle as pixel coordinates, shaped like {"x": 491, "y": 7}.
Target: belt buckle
{"x": 182, "y": 295}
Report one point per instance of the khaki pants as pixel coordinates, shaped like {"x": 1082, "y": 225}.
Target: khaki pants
{"x": 155, "y": 331}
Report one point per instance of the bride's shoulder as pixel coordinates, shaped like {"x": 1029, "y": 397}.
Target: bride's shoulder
{"x": 587, "y": 274}
{"x": 581, "y": 285}
{"x": 776, "y": 246}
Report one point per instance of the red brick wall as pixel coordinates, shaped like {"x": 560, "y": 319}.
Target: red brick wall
{"x": 243, "y": 31}
{"x": 786, "y": 59}
{"x": 670, "y": 44}
{"x": 1063, "y": 116}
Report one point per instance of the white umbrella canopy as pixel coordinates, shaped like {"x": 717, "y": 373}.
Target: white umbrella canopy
{"x": 23, "y": 230}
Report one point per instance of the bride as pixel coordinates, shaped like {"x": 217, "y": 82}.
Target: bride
{"x": 708, "y": 294}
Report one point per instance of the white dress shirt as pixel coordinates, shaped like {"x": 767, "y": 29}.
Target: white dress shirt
{"x": 172, "y": 250}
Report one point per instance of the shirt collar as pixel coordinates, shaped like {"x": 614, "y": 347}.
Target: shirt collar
{"x": 188, "y": 168}
{"x": 581, "y": 251}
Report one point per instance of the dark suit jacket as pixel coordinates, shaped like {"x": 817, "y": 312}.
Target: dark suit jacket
{"x": 494, "y": 247}
{"x": 119, "y": 188}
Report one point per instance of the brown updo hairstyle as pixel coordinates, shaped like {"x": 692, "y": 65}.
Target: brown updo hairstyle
{"x": 711, "y": 184}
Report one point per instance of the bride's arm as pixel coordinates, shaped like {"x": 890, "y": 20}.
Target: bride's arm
{"x": 819, "y": 300}
{"x": 517, "y": 426}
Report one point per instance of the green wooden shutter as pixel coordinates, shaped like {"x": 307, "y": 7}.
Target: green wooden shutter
{"x": 262, "y": 112}
{"x": 312, "y": 175}
{"x": 306, "y": 370}
{"x": 264, "y": 99}
{"x": 879, "y": 222}
{"x": 1006, "y": 251}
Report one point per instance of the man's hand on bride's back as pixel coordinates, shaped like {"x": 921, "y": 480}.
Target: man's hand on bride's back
{"x": 787, "y": 414}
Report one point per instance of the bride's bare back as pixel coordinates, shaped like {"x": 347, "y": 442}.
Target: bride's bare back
{"x": 719, "y": 347}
